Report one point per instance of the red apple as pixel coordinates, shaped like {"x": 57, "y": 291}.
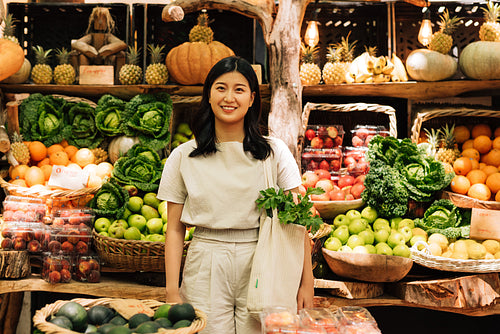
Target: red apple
{"x": 360, "y": 179}
{"x": 328, "y": 142}
{"x": 321, "y": 197}
{"x": 332, "y": 131}
{"x": 349, "y": 197}
{"x": 362, "y": 132}
{"x": 357, "y": 189}
{"x": 345, "y": 180}
{"x": 335, "y": 165}
{"x": 310, "y": 134}
{"x": 54, "y": 277}
{"x": 312, "y": 165}
{"x": 302, "y": 190}
{"x": 338, "y": 141}
{"x": 309, "y": 179}
{"x": 357, "y": 142}
{"x": 323, "y": 174}
{"x": 317, "y": 142}
{"x": 325, "y": 184}
{"x": 336, "y": 195}
{"x": 349, "y": 160}
{"x": 324, "y": 165}
{"x": 322, "y": 133}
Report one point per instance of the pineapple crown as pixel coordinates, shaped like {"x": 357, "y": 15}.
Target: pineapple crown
{"x": 447, "y": 135}
{"x": 331, "y": 55}
{"x": 133, "y": 55}
{"x": 345, "y": 50}
{"x": 201, "y": 32}
{"x": 17, "y": 137}
{"x": 155, "y": 53}
{"x": 203, "y": 20}
{"x": 308, "y": 54}
{"x": 9, "y": 26}
{"x": 432, "y": 136}
{"x": 492, "y": 12}
{"x": 41, "y": 56}
{"x": 372, "y": 50}
{"x": 448, "y": 24}
{"x": 62, "y": 55}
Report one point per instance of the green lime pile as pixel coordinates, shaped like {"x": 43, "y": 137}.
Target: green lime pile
{"x": 104, "y": 320}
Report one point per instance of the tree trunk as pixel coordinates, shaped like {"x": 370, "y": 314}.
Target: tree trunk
{"x": 286, "y": 96}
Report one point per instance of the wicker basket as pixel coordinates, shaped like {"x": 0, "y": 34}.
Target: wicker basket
{"x": 136, "y": 255}
{"x": 426, "y": 259}
{"x": 40, "y": 317}
{"x": 451, "y": 112}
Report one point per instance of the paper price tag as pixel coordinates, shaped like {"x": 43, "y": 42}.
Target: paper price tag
{"x": 485, "y": 224}
{"x": 68, "y": 178}
{"x": 128, "y": 307}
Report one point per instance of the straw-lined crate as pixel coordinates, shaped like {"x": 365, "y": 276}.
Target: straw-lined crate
{"x": 40, "y": 319}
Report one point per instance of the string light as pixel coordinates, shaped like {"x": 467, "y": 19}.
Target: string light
{"x": 425, "y": 32}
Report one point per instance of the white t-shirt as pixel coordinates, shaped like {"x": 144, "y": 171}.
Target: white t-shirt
{"x": 219, "y": 190}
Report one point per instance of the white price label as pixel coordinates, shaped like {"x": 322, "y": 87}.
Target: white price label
{"x": 68, "y": 178}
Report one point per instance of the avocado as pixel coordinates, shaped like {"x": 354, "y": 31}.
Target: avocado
{"x": 99, "y": 314}
{"x": 62, "y": 321}
{"x": 164, "y": 322}
{"x": 147, "y": 327}
{"x": 119, "y": 330}
{"x": 182, "y": 323}
{"x": 137, "y": 319}
{"x": 76, "y": 313}
{"x": 118, "y": 320}
{"x": 183, "y": 311}
{"x": 104, "y": 329}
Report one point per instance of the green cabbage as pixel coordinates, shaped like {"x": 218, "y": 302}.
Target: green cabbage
{"x": 80, "y": 129}
{"x": 110, "y": 201}
{"x": 108, "y": 115}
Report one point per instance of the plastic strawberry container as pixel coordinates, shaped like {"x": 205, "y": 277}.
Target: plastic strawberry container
{"x": 362, "y": 134}
{"x": 68, "y": 239}
{"x": 320, "y": 318}
{"x": 328, "y": 159}
{"x": 279, "y": 320}
{"x": 23, "y": 236}
{"x": 23, "y": 209}
{"x": 323, "y": 136}
{"x": 56, "y": 268}
{"x": 357, "y": 320}
{"x": 354, "y": 160}
{"x": 87, "y": 268}
{"x": 73, "y": 217}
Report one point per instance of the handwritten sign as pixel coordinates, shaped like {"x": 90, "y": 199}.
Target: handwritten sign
{"x": 68, "y": 178}
{"x": 485, "y": 224}
{"x": 128, "y": 307}
{"x": 96, "y": 75}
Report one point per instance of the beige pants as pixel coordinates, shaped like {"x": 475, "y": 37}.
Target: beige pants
{"x": 215, "y": 280}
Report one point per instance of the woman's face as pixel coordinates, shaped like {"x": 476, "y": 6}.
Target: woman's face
{"x": 230, "y": 98}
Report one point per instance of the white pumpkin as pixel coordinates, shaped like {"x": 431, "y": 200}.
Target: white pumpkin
{"x": 119, "y": 146}
{"x": 21, "y": 76}
{"x": 481, "y": 60}
{"x": 428, "y": 65}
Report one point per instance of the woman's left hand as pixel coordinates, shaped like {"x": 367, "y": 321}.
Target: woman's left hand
{"x": 305, "y": 296}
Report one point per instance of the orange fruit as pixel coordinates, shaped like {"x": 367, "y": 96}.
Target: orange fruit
{"x": 18, "y": 172}
{"x": 488, "y": 169}
{"x": 461, "y": 133}
{"x": 59, "y": 158}
{"x": 497, "y": 197}
{"x": 460, "y": 184}
{"x": 479, "y": 191}
{"x": 496, "y": 142}
{"x": 462, "y": 166}
{"x": 38, "y": 151}
{"x": 482, "y": 143}
{"x": 54, "y": 148}
{"x": 476, "y": 176}
{"x": 493, "y": 182}
{"x": 492, "y": 157}
{"x": 45, "y": 161}
{"x": 34, "y": 176}
{"x": 64, "y": 143}
{"x": 468, "y": 144}
{"x": 496, "y": 133}
{"x": 19, "y": 182}
{"x": 70, "y": 150}
{"x": 83, "y": 157}
{"x": 47, "y": 170}
{"x": 471, "y": 153}
{"x": 475, "y": 164}
{"x": 481, "y": 130}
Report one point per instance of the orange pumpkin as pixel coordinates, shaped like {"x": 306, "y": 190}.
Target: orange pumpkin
{"x": 190, "y": 62}
{"x": 11, "y": 58}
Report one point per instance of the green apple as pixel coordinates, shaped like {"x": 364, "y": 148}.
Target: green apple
{"x": 106, "y": 234}
{"x": 135, "y": 203}
{"x": 341, "y": 233}
{"x": 102, "y": 224}
{"x": 355, "y": 240}
{"x": 164, "y": 228}
{"x": 371, "y": 249}
{"x": 138, "y": 221}
{"x": 406, "y": 232}
{"x": 143, "y": 237}
{"x": 395, "y": 238}
{"x": 395, "y": 222}
{"x": 357, "y": 225}
{"x": 149, "y": 212}
{"x": 368, "y": 236}
{"x": 383, "y": 248}
{"x": 151, "y": 200}
{"x": 162, "y": 207}
{"x": 164, "y": 217}
{"x": 416, "y": 238}
{"x": 132, "y": 233}
{"x": 126, "y": 213}
{"x": 121, "y": 222}
{"x": 401, "y": 250}
{"x": 116, "y": 231}
{"x": 406, "y": 222}
{"x": 155, "y": 237}
{"x": 345, "y": 248}
{"x": 369, "y": 214}
{"x": 154, "y": 225}
{"x": 352, "y": 214}
{"x": 360, "y": 249}
{"x": 340, "y": 219}
{"x": 332, "y": 243}
{"x": 381, "y": 236}
{"x": 381, "y": 223}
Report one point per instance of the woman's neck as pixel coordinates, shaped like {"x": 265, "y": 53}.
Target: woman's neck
{"x": 227, "y": 133}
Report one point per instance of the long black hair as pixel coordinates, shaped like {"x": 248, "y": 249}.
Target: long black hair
{"x": 203, "y": 120}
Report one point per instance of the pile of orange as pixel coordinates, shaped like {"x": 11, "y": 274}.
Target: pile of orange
{"x": 478, "y": 168}
{"x": 42, "y": 159}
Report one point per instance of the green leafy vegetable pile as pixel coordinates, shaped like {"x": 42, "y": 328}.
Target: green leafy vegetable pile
{"x": 109, "y": 116}
{"x": 148, "y": 117}
{"x": 140, "y": 167}
{"x": 110, "y": 201}
{"x": 80, "y": 129}
{"x": 445, "y": 218}
{"x": 288, "y": 211}
{"x": 399, "y": 171}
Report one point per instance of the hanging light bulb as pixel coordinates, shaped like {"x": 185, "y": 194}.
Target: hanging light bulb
{"x": 312, "y": 34}
{"x": 425, "y": 32}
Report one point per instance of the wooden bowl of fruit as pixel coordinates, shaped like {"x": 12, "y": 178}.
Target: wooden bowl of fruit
{"x": 330, "y": 209}
{"x": 368, "y": 267}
